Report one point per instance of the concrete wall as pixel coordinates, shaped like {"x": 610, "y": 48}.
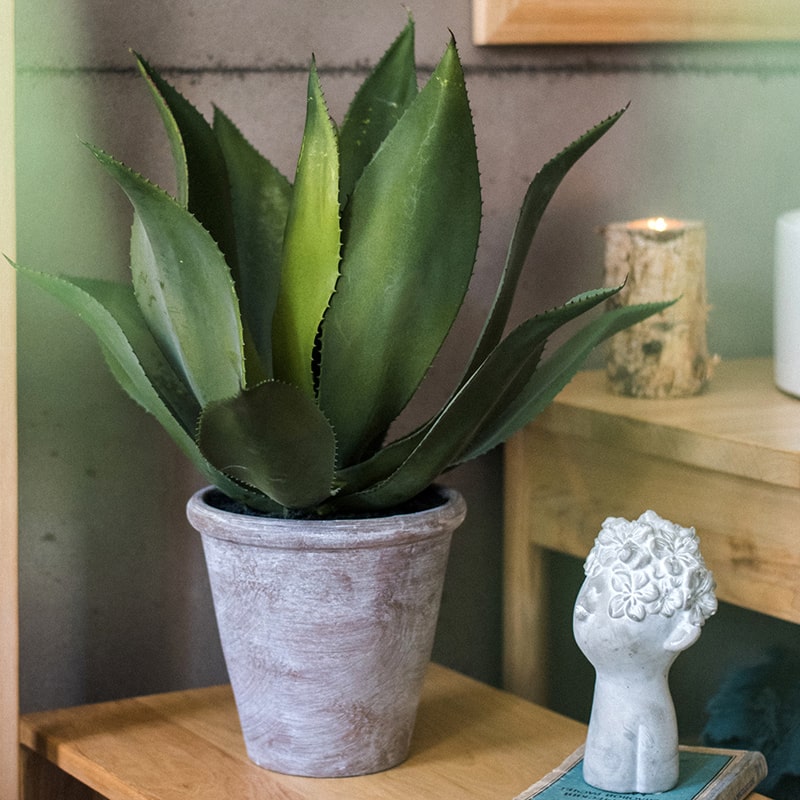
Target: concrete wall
{"x": 114, "y": 597}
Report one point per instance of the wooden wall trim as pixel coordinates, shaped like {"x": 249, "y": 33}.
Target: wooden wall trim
{"x": 607, "y": 21}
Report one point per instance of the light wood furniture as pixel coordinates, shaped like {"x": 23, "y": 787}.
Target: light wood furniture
{"x": 726, "y": 462}
{"x": 471, "y": 741}
{"x": 721, "y": 460}
{"x": 9, "y": 683}
{"x": 565, "y": 21}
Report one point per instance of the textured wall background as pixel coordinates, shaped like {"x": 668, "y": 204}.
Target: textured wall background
{"x": 114, "y": 596}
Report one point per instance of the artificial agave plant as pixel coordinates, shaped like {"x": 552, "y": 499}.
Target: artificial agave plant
{"x": 277, "y": 329}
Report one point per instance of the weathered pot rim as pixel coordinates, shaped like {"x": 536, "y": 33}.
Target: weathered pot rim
{"x": 326, "y": 534}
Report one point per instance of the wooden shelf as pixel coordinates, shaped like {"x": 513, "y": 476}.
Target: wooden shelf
{"x": 726, "y": 462}
{"x": 741, "y": 426}
{"x": 471, "y": 741}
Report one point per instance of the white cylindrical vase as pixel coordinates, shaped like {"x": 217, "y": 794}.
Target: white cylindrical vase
{"x": 787, "y": 303}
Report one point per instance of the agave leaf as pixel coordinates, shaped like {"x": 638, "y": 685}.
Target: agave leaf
{"x": 183, "y": 287}
{"x": 119, "y": 301}
{"x": 409, "y": 249}
{"x": 555, "y": 373}
{"x": 434, "y": 454}
{"x": 171, "y": 128}
{"x": 203, "y": 183}
{"x": 275, "y": 438}
{"x": 310, "y": 264}
{"x": 538, "y": 196}
{"x": 110, "y": 311}
{"x": 261, "y": 198}
{"x": 379, "y": 103}
{"x": 200, "y": 168}
{"x": 503, "y": 375}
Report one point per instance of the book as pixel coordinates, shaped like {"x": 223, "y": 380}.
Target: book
{"x": 706, "y": 773}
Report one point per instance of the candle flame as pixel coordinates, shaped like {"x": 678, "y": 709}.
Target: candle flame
{"x": 657, "y": 224}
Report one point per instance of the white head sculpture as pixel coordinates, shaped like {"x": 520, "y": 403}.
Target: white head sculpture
{"x": 646, "y": 596}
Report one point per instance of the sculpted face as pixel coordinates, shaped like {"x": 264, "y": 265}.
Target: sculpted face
{"x": 647, "y": 591}
{"x": 646, "y": 595}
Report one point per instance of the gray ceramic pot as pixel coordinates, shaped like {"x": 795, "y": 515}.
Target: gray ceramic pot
{"x": 327, "y": 628}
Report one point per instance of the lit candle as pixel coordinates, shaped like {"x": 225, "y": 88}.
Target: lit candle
{"x": 655, "y": 224}
{"x": 659, "y": 259}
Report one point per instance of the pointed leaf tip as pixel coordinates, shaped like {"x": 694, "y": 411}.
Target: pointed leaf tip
{"x": 183, "y": 286}
{"x": 311, "y": 246}
{"x": 416, "y": 238}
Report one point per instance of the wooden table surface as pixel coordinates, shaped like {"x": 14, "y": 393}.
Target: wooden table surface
{"x": 471, "y": 741}
{"x": 742, "y": 425}
{"x": 726, "y": 462}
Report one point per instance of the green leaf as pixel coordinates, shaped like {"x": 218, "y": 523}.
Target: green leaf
{"x": 202, "y": 177}
{"x": 135, "y": 360}
{"x": 310, "y": 264}
{"x": 155, "y": 83}
{"x": 261, "y": 197}
{"x": 275, "y": 438}
{"x": 120, "y": 302}
{"x": 473, "y": 409}
{"x": 183, "y": 287}
{"x": 422, "y": 467}
{"x": 540, "y": 192}
{"x": 556, "y": 373}
{"x": 410, "y": 235}
{"x": 380, "y": 101}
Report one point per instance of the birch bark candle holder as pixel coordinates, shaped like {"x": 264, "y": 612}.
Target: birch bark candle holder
{"x": 666, "y": 355}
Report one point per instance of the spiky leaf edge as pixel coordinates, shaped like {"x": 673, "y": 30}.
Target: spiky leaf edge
{"x": 183, "y": 287}
{"x": 261, "y": 197}
{"x": 274, "y": 438}
{"x": 440, "y": 449}
{"x": 380, "y": 101}
{"x": 537, "y": 197}
{"x": 134, "y": 374}
{"x": 406, "y": 266}
{"x": 203, "y": 185}
{"x": 311, "y": 247}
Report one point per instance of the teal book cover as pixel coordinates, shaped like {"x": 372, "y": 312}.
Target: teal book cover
{"x": 705, "y": 774}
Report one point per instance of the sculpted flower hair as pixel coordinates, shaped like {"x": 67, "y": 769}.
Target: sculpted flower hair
{"x": 656, "y": 568}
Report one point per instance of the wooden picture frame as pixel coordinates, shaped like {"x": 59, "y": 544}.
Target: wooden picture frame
{"x": 9, "y": 605}
{"x": 503, "y": 22}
